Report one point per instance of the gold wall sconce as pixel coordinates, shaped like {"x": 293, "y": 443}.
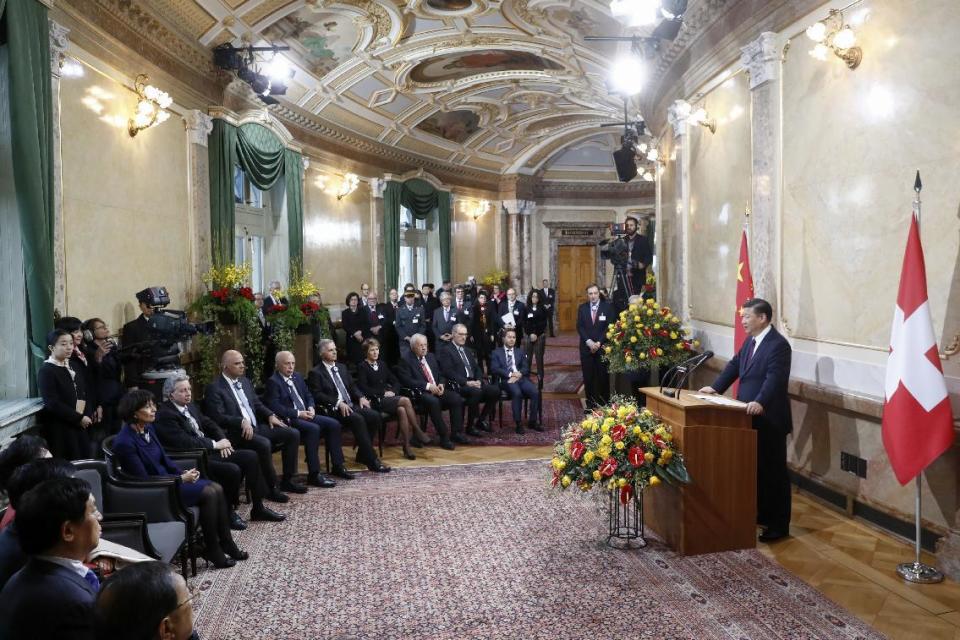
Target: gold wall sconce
{"x": 151, "y": 106}
{"x": 697, "y": 116}
{"x": 339, "y": 186}
{"x": 833, "y": 34}
{"x": 478, "y": 210}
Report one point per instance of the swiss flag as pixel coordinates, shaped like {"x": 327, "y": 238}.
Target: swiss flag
{"x": 917, "y": 420}
{"x": 744, "y": 293}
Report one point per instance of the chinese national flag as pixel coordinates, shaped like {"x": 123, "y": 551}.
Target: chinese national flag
{"x": 744, "y": 293}
{"x": 917, "y": 420}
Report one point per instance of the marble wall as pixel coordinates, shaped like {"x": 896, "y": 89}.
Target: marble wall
{"x": 473, "y": 242}
{"x": 669, "y": 245}
{"x": 852, "y": 141}
{"x": 124, "y": 202}
{"x": 720, "y": 170}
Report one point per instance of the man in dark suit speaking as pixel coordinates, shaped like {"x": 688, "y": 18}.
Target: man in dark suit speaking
{"x": 763, "y": 367}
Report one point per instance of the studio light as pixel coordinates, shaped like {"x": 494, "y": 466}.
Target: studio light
{"x": 267, "y": 78}
{"x": 636, "y": 13}
{"x": 627, "y": 75}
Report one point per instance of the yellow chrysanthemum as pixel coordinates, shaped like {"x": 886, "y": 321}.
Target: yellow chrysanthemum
{"x": 659, "y": 351}
{"x": 607, "y": 349}
{"x": 637, "y": 431}
{"x": 633, "y": 339}
{"x": 628, "y": 358}
{"x": 565, "y": 481}
{"x": 673, "y": 335}
{"x": 636, "y": 318}
{"x": 649, "y": 312}
{"x": 606, "y": 439}
{"x": 654, "y": 481}
{"x": 558, "y": 464}
{"x": 648, "y": 456}
{"x": 642, "y": 355}
{"x": 622, "y": 482}
{"x": 656, "y": 326}
{"x": 588, "y": 457}
{"x": 608, "y": 422}
{"x": 619, "y": 445}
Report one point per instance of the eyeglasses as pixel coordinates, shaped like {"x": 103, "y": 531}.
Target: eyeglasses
{"x": 193, "y": 596}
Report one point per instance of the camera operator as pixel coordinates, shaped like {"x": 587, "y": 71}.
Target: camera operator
{"x": 639, "y": 256}
{"x": 135, "y": 332}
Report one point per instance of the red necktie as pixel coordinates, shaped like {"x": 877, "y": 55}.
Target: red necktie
{"x": 426, "y": 372}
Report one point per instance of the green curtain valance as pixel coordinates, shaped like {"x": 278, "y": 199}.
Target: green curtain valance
{"x": 264, "y": 159}
{"x": 420, "y": 197}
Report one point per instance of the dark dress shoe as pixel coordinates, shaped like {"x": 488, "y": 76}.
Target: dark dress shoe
{"x": 483, "y": 425}
{"x": 378, "y": 467}
{"x": 459, "y": 438}
{"x": 266, "y": 514}
{"x": 276, "y": 496}
{"x": 520, "y": 430}
{"x": 341, "y": 472}
{"x": 236, "y": 522}
{"x": 772, "y": 535}
{"x": 220, "y": 561}
{"x": 446, "y": 444}
{"x": 416, "y": 442}
{"x": 235, "y": 553}
{"x": 290, "y": 486}
{"x": 473, "y": 432}
{"x": 535, "y": 426}
{"x": 319, "y": 480}
{"x": 409, "y": 454}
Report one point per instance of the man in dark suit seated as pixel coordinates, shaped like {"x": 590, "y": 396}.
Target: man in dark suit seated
{"x": 512, "y": 366}
{"x": 144, "y": 600}
{"x": 420, "y": 370}
{"x": 181, "y": 425}
{"x": 287, "y": 396}
{"x": 52, "y": 596}
{"x": 231, "y": 402}
{"x": 763, "y": 367}
{"x": 459, "y": 364}
{"x": 332, "y": 385}
{"x": 593, "y": 318}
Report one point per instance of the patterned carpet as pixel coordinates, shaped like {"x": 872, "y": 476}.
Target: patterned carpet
{"x": 487, "y": 552}
{"x": 562, "y": 381}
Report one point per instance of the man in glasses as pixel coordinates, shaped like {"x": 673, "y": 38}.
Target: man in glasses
{"x": 145, "y": 600}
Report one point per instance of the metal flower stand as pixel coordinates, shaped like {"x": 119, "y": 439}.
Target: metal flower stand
{"x": 626, "y": 522}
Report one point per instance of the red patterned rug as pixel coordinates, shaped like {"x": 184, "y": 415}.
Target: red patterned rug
{"x": 562, "y": 381}
{"x": 487, "y": 552}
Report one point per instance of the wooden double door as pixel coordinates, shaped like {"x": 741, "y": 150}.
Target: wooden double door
{"x": 576, "y": 269}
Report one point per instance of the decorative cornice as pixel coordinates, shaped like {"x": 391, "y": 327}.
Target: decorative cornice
{"x": 761, "y": 58}
{"x": 198, "y": 126}
{"x": 58, "y": 46}
{"x": 595, "y": 190}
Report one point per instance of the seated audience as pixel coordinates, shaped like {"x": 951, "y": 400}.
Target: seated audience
{"x": 231, "y": 402}
{"x": 139, "y": 453}
{"x": 181, "y": 425}
{"x": 67, "y": 413}
{"x": 356, "y": 324}
{"x": 535, "y": 329}
{"x": 511, "y": 365}
{"x": 377, "y": 382}
{"x": 287, "y": 396}
{"x": 145, "y": 601}
{"x": 333, "y": 387}
{"x": 459, "y": 364}
{"x": 103, "y": 357}
{"x": 52, "y": 596}
{"x": 420, "y": 370}
{"x": 16, "y": 454}
{"x": 25, "y": 477}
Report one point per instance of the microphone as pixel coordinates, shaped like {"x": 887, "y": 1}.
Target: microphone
{"x": 683, "y": 370}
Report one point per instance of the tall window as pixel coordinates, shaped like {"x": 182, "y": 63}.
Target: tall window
{"x": 419, "y": 248}
{"x": 260, "y": 234}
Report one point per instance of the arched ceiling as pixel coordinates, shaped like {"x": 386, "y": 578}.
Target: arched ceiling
{"x": 497, "y": 86}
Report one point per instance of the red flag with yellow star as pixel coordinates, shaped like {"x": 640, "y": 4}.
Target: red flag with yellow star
{"x": 744, "y": 293}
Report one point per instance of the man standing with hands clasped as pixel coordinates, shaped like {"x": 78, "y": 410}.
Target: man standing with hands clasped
{"x": 763, "y": 367}
{"x": 593, "y": 318}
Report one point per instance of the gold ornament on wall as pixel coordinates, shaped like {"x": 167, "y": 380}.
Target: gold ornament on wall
{"x": 151, "y": 106}
{"x": 338, "y": 186}
{"x": 833, "y": 34}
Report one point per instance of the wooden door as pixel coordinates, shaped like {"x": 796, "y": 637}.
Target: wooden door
{"x": 576, "y": 268}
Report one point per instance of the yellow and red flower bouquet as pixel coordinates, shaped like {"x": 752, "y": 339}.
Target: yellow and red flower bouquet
{"x": 647, "y": 334}
{"x": 619, "y": 447}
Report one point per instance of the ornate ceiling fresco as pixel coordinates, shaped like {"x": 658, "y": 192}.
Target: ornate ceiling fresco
{"x": 498, "y": 86}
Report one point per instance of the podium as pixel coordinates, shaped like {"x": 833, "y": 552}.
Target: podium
{"x": 717, "y": 511}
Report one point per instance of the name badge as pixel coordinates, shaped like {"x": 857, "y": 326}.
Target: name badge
{"x": 603, "y": 318}
{"x": 416, "y": 318}
{"x": 529, "y": 315}
{"x": 467, "y": 312}
{"x": 380, "y": 315}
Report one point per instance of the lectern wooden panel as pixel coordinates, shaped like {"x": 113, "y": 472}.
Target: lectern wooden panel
{"x": 717, "y": 511}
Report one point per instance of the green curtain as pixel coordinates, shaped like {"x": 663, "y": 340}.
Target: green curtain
{"x": 419, "y": 196}
{"x": 223, "y": 158}
{"x": 264, "y": 159}
{"x": 293, "y": 172}
{"x": 391, "y": 234}
{"x": 31, "y": 123}
{"x": 443, "y": 226}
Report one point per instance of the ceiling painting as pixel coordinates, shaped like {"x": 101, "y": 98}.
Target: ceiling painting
{"x": 457, "y": 66}
{"x": 455, "y": 126}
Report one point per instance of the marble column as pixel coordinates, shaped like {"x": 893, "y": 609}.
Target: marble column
{"x": 379, "y": 284}
{"x": 512, "y": 208}
{"x": 500, "y": 235}
{"x": 526, "y": 251}
{"x": 678, "y": 296}
{"x": 762, "y": 59}
{"x": 58, "y": 49}
{"x": 198, "y": 126}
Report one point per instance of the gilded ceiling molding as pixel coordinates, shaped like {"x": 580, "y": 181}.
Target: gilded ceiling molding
{"x": 422, "y": 9}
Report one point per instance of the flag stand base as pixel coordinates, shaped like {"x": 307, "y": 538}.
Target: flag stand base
{"x": 919, "y": 573}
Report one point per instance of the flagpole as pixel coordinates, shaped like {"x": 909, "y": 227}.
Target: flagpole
{"x": 917, "y": 571}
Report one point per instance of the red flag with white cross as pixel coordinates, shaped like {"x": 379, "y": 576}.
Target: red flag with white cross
{"x": 917, "y": 419}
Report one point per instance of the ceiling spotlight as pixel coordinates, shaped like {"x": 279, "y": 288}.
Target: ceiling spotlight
{"x": 637, "y": 13}
{"x": 266, "y": 78}
{"x": 627, "y": 75}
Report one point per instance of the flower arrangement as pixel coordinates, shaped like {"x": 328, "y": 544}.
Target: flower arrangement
{"x": 644, "y": 335}
{"x": 618, "y": 447}
{"x": 497, "y": 276}
{"x": 650, "y": 286}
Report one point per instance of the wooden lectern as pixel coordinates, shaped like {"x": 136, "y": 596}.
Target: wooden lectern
{"x": 717, "y": 511}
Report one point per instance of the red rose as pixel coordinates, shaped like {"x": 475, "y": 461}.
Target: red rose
{"x": 626, "y": 493}
{"x": 577, "y": 449}
{"x": 608, "y": 466}
{"x": 648, "y": 333}
{"x": 653, "y": 352}
{"x": 635, "y": 456}
{"x": 618, "y": 432}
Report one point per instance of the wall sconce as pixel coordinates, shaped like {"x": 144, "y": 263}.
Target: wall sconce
{"x": 481, "y": 208}
{"x": 832, "y": 34}
{"x": 151, "y": 106}
{"x": 339, "y": 186}
{"x": 696, "y": 116}
{"x": 651, "y": 154}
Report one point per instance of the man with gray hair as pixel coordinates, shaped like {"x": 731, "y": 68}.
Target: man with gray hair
{"x": 181, "y": 425}
{"x": 420, "y": 370}
{"x": 275, "y": 298}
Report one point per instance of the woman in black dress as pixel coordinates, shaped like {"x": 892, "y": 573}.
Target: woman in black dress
{"x": 534, "y": 329}
{"x": 483, "y": 329}
{"x": 378, "y": 383}
{"x": 356, "y": 324}
{"x": 68, "y": 414}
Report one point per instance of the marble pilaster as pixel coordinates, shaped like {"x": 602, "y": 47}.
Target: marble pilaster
{"x": 762, "y": 59}
{"x": 678, "y": 297}
{"x": 515, "y": 247}
{"x": 59, "y": 42}
{"x": 198, "y": 126}
{"x": 377, "y": 187}
{"x": 526, "y": 258}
